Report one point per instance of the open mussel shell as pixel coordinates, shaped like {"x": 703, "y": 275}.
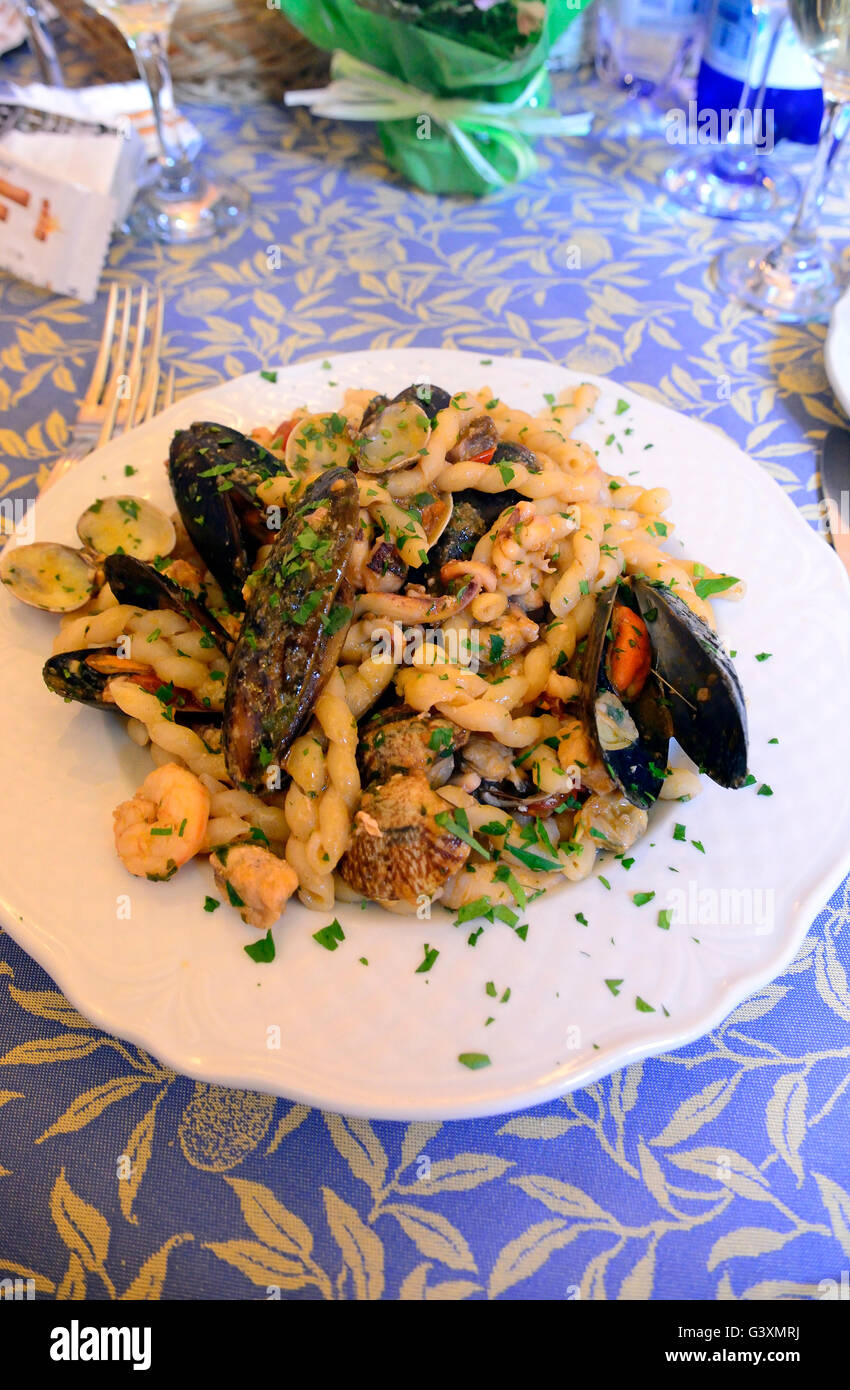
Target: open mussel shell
{"x": 133, "y": 581}
{"x": 127, "y": 525}
{"x": 431, "y": 398}
{"x": 52, "y": 577}
{"x": 477, "y": 439}
{"x": 214, "y": 473}
{"x": 516, "y": 453}
{"x": 632, "y": 741}
{"x": 84, "y": 676}
{"x": 394, "y": 438}
{"x": 297, "y": 617}
{"x": 700, "y": 684}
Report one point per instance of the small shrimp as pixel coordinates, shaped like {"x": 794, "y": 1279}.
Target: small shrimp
{"x": 164, "y": 824}
{"x": 255, "y": 881}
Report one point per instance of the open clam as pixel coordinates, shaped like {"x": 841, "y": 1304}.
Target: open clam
{"x": 126, "y": 526}
{"x": 55, "y": 578}
{"x": 393, "y": 438}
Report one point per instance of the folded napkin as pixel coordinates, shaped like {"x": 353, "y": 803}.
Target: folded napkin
{"x": 70, "y": 165}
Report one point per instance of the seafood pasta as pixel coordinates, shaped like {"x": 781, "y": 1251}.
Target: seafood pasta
{"x": 412, "y": 650}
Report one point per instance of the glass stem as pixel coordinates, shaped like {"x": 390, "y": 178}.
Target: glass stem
{"x": 734, "y": 156}
{"x": 151, "y": 56}
{"x": 802, "y": 235}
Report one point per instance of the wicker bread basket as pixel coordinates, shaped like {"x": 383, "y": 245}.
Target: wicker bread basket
{"x": 213, "y": 43}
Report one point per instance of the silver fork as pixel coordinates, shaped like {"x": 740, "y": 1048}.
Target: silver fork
{"x": 121, "y": 394}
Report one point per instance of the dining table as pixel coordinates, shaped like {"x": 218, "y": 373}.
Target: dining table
{"x": 719, "y": 1171}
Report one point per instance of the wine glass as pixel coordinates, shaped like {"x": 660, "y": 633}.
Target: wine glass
{"x": 733, "y": 180}
{"x": 795, "y": 280}
{"x": 183, "y": 205}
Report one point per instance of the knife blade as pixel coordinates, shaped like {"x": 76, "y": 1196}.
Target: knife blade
{"x": 835, "y": 484}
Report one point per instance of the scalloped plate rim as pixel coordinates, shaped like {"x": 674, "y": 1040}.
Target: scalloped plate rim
{"x": 55, "y": 956}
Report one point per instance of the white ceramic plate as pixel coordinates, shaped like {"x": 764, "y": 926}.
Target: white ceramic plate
{"x": 836, "y": 352}
{"x": 381, "y": 1040}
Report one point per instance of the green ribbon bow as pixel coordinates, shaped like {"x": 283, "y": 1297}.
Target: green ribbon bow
{"x": 359, "y": 92}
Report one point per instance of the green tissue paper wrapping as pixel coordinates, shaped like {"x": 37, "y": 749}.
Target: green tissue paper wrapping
{"x": 445, "y": 68}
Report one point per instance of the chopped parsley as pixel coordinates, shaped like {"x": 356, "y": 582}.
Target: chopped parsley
{"x": 262, "y": 951}
{"x": 474, "y": 1060}
{"x": 431, "y": 954}
{"x": 706, "y": 587}
{"x": 330, "y": 936}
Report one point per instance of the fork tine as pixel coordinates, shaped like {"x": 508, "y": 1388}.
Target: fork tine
{"x": 111, "y": 399}
{"x": 128, "y": 414}
{"x": 147, "y": 400}
{"x": 168, "y": 393}
{"x": 101, "y": 365}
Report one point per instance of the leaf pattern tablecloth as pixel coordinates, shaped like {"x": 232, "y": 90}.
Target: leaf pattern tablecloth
{"x": 720, "y": 1171}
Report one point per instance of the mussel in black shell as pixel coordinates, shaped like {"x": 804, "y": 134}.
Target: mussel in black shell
{"x": 298, "y": 613}
{"x": 625, "y": 706}
{"x": 214, "y": 472}
{"x": 700, "y": 684}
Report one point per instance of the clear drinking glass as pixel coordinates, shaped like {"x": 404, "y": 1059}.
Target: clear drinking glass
{"x": 183, "y": 204}
{"x": 734, "y": 179}
{"x": 795, "y": 279}
{"x": 642, "y": 50}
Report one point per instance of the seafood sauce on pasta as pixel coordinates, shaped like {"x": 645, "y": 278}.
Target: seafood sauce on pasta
{"x": 416, "y": 650}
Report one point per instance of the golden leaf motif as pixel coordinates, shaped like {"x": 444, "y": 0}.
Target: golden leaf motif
{"x": 416, "y": 1136}
{"x": 786, "y": 1120}
{"x": 148, "y": 1283}
{"x": 522, "y": 1257}
{"x": 432, "y": 1234}
{"x": 262, "y": 1265}
{"x": 360, "y": 1146}
{"x": 73, "y": 1285}
{"x": 64, "y": 1047}
{"x": 413, "y": 1287}
{"x": 86, "y": 1107}
{"x": 362, "y": 1251}
{"x": 637, "y": 1284}
{"x": 750, "y": 1241}
{"x": 697, "y": 1110}
{"x": 49, "y": 1003}
{"x": 561, "y": 1197}
{"x": 80, "y": 1225}
{"x": 459, "y": 1174}
{"x": 138, "y": 1150}
{"x": 837, "y": 1203}
{"x": 295, "y": 1116}
{"x": 41, "y": 1282}
{"x": 270, "y": 1221}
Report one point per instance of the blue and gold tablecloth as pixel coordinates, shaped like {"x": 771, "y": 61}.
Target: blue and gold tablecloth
{"x": 718, "y": 1172}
